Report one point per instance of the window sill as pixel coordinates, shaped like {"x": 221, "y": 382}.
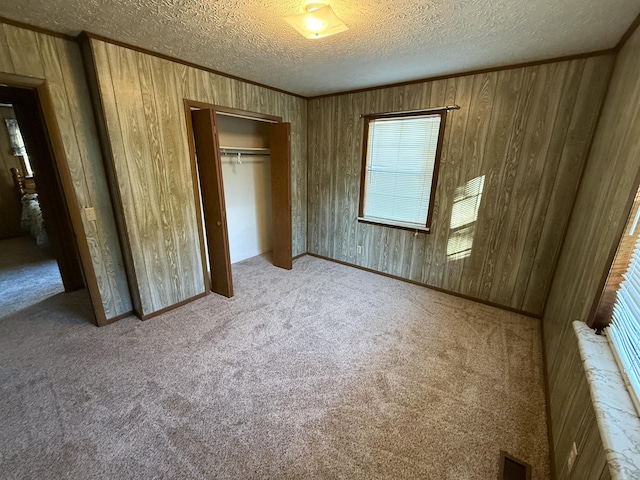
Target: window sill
{"x": 402, "y": 226}
{"x": 618, "y": 421}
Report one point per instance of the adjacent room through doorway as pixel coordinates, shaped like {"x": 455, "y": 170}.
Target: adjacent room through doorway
{"x": 38, "y": 254}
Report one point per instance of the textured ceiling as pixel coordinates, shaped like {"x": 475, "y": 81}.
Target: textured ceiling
{"x": 387, "y": 41}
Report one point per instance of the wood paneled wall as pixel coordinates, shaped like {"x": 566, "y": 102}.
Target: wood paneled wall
{"x": 25, "y": 53}
{"x": 599, "y": 215}
{"x": 10, "y": 206}
{"x": 142, "y": 98}
{"x": 526, "y": 130}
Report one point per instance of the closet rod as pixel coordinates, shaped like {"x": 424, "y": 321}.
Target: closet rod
{"x": 242, "y": 161}
{"x": 244, "y": 151}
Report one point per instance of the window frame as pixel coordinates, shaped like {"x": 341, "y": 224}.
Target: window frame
{"x": 442, "y": 113}
{"x": 603, "y": 308}
{"x": 13, "y": 129}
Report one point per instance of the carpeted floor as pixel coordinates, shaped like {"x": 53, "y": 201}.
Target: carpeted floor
{"x": 321, "y": 372}
{"x": 28, "y": 274}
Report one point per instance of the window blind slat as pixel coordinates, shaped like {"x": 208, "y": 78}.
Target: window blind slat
{"x": 401, "y": 156}
{"x": 624, "y": 330}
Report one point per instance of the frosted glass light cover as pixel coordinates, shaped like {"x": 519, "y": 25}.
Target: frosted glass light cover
{"x": 317, "y": 22}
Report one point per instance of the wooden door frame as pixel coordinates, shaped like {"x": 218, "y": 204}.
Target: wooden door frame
{"x": 62, "y": 166}
{"x": 205, "y": 139}
{"x": 190, "y": 105}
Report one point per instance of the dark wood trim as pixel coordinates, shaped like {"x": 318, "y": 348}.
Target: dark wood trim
{"x": 430, "y": 287}
{"x": 581, "y": 178}
{"x": 363, "y": 168}
{"x": 391, "y": 224}
{"x": 13, "y": 80}
{"x": 299, "y": 256}
{"x": 106, "y": 149}
{"x": 306, "y": 175}
{"x": 184, "y": 62}
{"x": 174, "y": 306}
{"x": 33, "y": 28}
{"x": 209, "y": 166}
{"x": 188, "y": 104}
{"x": 442, "y": 113}
{"x": 630, "y": 31}
{"x": 436, "y": 167}
{"x": 197, "y": 105}
{"x": 409, "y": 113}
{"x": 469, "y": 72}
{"x": 281, "y": 228}
{"x": 122, "y": 316}
{"x": 101, "y": 38}
{"x": 547, "y": 402}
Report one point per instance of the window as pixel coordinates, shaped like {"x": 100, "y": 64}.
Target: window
{"x": 400, "y": 168}
{"x": 619, "y": 306}
{"x": 624, "y": 330}
{"x": 17, "y": 143}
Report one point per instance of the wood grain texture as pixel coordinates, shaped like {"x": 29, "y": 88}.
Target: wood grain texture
{"x": 5, "y": 52}
{"x": 57, "y": 61}
{"x": 213, "y": 202}
{"x": 142, "y": 98}
{"x": 280, "y": 145}
{"x": 23, "y": 51}
{"x": 526, "y": 131}
{"x": 10, "y": 206}
{"x": 601, "y": 208}
{"x": 67, "y": 86}
{"x": 577, "y": 422}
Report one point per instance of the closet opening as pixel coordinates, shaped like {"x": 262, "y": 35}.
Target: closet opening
{"x": 241, "y": 169}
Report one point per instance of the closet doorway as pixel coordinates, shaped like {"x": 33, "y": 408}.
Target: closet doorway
{"x": 242, "y": 164}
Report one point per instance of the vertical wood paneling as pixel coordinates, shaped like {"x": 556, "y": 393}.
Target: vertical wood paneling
{"x": 135, "y": 175}
{"x": 167, "y": 262}
{"x": 142, "y": 99}
{"x": 473, "y": 152}
{"x": 426, "y": 262}
{"x": 23, "y": 48}
{"x": 518, "y": 128}
{"x": 576, "y": 422}
{"x": 93, "y": 190}
{"x": 582, "y": 122}
{"x": 31, "y": 54}
{"x": 610, "y": 179}
{"x": 508, "y": 84}
{"x": 5, "y": 52}
{"x": 445, "y": 271}
{"x": 538, "y": 128}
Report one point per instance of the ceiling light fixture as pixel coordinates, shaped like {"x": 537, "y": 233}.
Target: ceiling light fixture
{"x": 318, "y": 21}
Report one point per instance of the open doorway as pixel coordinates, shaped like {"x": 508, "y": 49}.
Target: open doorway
{"x": 38, "y": 251}
{"x": 242, "y": 175}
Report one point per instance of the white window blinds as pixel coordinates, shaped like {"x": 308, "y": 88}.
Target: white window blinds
{"x": 400, "y": 162}
{"x": 624, "y": 330}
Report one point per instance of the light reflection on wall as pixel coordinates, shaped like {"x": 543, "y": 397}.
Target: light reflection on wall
{"x": 464, "y": 213}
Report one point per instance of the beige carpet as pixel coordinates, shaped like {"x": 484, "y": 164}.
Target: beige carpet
{"x": 321, "y": 372}
{"x": 28, "y": 274}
